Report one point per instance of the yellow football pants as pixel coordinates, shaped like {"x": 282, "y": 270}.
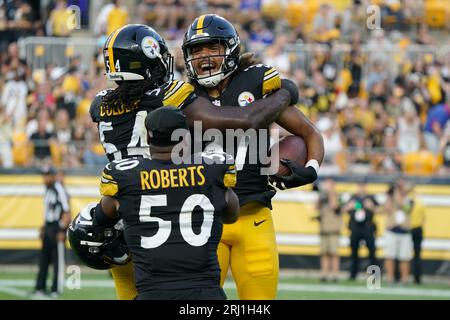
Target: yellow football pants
{"x": 124, "y": 281}
{"x": 249, "y": 247}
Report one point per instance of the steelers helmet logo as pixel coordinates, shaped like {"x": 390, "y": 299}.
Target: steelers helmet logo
{"x": 150, "y": 47}
{"x": 245, "y": 98}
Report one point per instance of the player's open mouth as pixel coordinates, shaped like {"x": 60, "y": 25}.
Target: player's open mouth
{"x": 207, "y": 67}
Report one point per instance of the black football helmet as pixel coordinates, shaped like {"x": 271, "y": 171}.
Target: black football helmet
{"x": 212, "y": 28}
{"x": 137, "y": 52}
{"x": 98, "y": 247}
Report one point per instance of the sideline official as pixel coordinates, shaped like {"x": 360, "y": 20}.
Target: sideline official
{"x": 57, "y": 218}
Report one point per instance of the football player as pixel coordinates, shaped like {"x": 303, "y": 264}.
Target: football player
{"x": 172, "y": 214}
{"x": 211, "y": 49}
{"x": 138, "y": 60}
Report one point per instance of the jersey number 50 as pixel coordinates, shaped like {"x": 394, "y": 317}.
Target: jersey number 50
{"x": 165, "y": 227}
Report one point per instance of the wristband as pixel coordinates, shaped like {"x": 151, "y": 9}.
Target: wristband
{"x": 313, "y": 163}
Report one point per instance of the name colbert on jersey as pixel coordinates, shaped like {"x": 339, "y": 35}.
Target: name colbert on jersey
{"x": 121, "y": 124}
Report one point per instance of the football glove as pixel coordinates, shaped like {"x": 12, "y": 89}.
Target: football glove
{"x": 299, "y": 176}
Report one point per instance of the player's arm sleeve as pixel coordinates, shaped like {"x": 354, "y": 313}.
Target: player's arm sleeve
{"x": 179, "y": 94}
{"x": 258, "y": 114}
{"x": 94, "y": 110}
{"x": 109, "y": 185}
{"x": 271, "y": 81}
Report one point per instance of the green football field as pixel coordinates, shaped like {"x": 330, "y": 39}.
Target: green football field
{"x": 98, "y": 285}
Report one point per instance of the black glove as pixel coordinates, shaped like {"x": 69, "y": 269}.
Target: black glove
{"x": 290, "y": 86}
{"x": 299, "y": 176}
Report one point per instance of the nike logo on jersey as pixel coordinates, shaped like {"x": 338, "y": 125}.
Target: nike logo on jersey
{"x": 258, "y": 223}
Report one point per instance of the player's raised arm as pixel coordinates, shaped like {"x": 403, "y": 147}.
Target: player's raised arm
{"x": 294, "y": 121}
{"x": 259, "y": 114}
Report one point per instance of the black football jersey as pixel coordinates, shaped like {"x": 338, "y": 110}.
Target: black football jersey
{"x": 172, "y": 217}
{"x": 246, "y": 86}
{"x": 122, "y": 128}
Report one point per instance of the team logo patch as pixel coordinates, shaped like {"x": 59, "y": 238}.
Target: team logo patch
{"x": 150, "y": 47}
{"x": 245, "y": 98}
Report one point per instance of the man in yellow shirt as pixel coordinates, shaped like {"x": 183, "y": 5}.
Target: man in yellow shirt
{"x": 59, "y": 18}
{"x": 117, "y": 17}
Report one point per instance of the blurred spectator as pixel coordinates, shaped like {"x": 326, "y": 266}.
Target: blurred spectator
{"x": 101, "y": 22}
{"x": 324, "y": 24}
{"x": 41, "y": 141}
{"x": 85, "y": 104}
{"x": 392, "y": 9}
{"x": 326, "y": 67}
{"x": 117, "y": 17}
{"x": 333, "y": 145}
{"x": 444, "y": 147}
{"x": 4, "y": 37}
{"x": 351, "y": 75}
{"x": 67, "y": 94}
{"x": 24, "y": 19}
{"x": 361, "y": 207}
{"x": 94, "y": 154}
{"x": 320, "y": 93}
{"x": 174, "y": 16}
{"x": 58, "y": 25}
{"x": 6, "y": 133}
{"x": 77, "y": 148}
{"x": 379, "y": 46}
{"x": 397, "y": 237}
{"x": 353, "y": 18}
{"x": 276, "y": 57}
{"x": 377, "y": 82}
{"x": 408, "y": 132}
{"x": 260, "y": 36}
{"x": 249, "y": 9}
{"x": 330, "y": 229}
{"x": 225, "y": 8}
{"x": 423, "y": 36}
{"x": 391, "y": 160}
{"x": 14, "y": 97}
{"x": 14, "y": 64}
{"x": 360, "y": 159}
{"x": 352, "y": 128}
{"x": 63, "y": 135}
{"x": 147, "y": 13}
{"x": 43, "y": 115}
{"x": 42, "y": 98}
{"x": 436, "y": 119}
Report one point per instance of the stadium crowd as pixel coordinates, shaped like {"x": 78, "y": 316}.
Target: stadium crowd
{"x": 379, "y": 94}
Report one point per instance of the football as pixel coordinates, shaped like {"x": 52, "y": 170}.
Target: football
{"x": 291, "y": 148}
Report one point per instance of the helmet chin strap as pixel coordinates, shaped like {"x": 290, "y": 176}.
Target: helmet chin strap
{"x": 214, "y": 80}
{"x": 211, "y": 81}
